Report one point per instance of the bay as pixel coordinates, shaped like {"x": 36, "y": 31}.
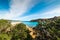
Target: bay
{"x": 30, "y": 24}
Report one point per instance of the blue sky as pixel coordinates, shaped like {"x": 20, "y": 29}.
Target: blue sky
{"x": 29, "y": 9}
{"x": 4, "y": 4}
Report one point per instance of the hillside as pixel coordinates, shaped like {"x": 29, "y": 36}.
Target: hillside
{"x": 48, "y": 29}
{"x": 50, "y": 19}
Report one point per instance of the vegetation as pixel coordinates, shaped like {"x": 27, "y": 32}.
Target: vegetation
{"x": 4, "y": 24}
{"x": 19, "y": 32}
{"x": 47, "y": 29}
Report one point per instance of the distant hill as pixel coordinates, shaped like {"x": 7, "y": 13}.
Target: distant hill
{"x": 51, "y": 19}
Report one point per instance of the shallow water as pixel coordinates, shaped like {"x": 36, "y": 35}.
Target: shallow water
{"x": 30, "y": 24}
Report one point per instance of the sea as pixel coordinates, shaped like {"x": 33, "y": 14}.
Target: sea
{"x": 30, "y": 24}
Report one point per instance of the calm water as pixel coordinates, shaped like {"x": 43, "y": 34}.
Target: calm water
{"x": 30, "y": 24}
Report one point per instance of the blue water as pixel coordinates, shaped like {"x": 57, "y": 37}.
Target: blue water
{"x": 30, "y": 24}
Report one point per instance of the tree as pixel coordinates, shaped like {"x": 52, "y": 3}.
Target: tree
{"x": 19, "y": 32}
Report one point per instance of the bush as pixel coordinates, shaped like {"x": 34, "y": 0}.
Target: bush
{"x": 4, "y": 24}
{"x": 19, "y": 32}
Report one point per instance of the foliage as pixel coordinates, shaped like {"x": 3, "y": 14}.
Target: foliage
{"x": 45, "y": 30}
{"x": 4, "y": 24}
{"x": 52, "y": 28}
{"x": 19, "y": 32}
{"x": 4, "y": 36}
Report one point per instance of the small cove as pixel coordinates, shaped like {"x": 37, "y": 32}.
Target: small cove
{"x": 30, "y": 24}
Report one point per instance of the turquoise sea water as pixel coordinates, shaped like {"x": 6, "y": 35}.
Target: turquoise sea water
{"x": 30, "y": 24}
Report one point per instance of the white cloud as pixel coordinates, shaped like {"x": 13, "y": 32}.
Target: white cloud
{"x": 2, "y": 14}
{"x": 47, "y": 14}
{"x": 18, "y": 8}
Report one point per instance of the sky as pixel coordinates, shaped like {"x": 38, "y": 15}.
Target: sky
{"x": 26, "y": 10}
